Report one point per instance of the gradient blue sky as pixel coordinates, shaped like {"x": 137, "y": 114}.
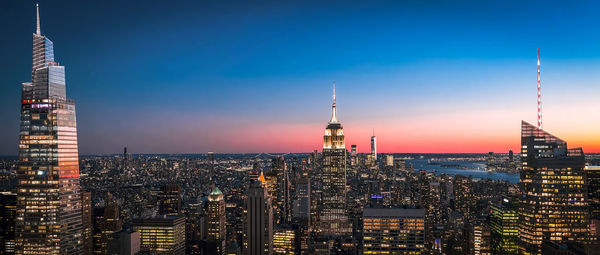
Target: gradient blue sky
{"x": 234, "y": 76}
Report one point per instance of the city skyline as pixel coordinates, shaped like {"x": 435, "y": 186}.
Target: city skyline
{"x": 478, "y": 94}
{"x": 535, "y": 199}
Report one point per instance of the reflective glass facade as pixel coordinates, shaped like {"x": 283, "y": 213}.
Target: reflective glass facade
{"x": 49, "y": 216}
{"x": 553, "y": 200}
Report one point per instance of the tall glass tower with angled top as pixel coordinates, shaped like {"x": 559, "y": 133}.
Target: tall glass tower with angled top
{"x": 333, "y": 218}
{"x": 49, "y": 218}
{"x": 553, "y": 205}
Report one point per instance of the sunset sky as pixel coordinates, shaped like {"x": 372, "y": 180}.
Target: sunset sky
{"x": 230, "y": 76}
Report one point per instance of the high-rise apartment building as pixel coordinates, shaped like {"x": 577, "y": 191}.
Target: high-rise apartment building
{"x": 259, "y": 220}
{"x": 163, "y": 235}
{"x": 49, "y": 200}
{"x": 215, "y": 216}
{"x": 334, "y": 218}
{"x": 553, "y": 205}
{"x": 393, "y": 231}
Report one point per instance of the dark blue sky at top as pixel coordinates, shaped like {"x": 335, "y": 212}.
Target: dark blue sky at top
{"x": 135, "y": 65}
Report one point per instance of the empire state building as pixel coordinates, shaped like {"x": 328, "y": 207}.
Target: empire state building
{"x": 333, "y": 218}
{"x": 49, "y": 216}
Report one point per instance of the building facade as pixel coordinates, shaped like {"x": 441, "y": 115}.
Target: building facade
{"x": 169, "y": 199}
{"x": 8, "y": 209}
{"x": 162, "y": 236}
{"x": 504, "y": 224}
{"x": 216, "y": 220}
{"x": 259, "y": 220}
{"x": 333, "y": 217}
{"x": 553, "y": 205}
{"x": 393, "y": 231}
{"x": 49, "y": 196}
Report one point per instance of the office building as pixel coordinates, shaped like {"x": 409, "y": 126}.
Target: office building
{"x": 107, "y": 221}
{"x": 334, "y": 218}
{"x": 259, "y": 220}
{"x": 463, "y": 195}
{"x": 49, "y": 198}
{"x": 504, "y": 224}
{"x": 481, "y": 239}
{"x": 163, "y": 235}
{"x": 374, "y": 146}
{"x": 554, "y": 203}
{"x": 393, "y": 231}
{"x": 215, "y": 216}
{"x": 8, "y": 210}
{"x": 284, "y": 241}
{"x": 169, "y": 199}
{"x": 86, "y": 220}
{"x": 124, "y": 242}
{"x": 302, "y": 203}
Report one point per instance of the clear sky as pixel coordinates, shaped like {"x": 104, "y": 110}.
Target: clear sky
{"x": 235, "y": 76}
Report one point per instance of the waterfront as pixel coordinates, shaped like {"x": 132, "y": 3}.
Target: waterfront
{"x": 466, "y": 168}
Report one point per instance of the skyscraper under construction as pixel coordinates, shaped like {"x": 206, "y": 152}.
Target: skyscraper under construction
{"x": 49, "y": 218}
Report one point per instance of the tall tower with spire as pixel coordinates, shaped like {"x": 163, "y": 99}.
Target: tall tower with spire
{"x": 374, "y": 146}
{"x": 539, "y": 93}
{"x": 333, "y": 217}
{"x": 49, "y": 207}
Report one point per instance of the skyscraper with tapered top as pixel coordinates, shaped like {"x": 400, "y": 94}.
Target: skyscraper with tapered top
{"x": 374, "y": 146}
{"x": 49, "y": 218}
{"x": 333, "y": 218}
{"x": 554, "y": 203}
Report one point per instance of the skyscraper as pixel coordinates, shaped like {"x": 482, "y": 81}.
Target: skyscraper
{"x": 463, "y": 195}
{"x": 49, "y": 199}
{"x": 169, "y": 199}
{"x": 593, "y": 186}
{"x": 334, "y": 219}
{"x": 8, "y": 206}
{"x": 86, "y": 219}
{"x": 554, "y": 203}
{"x": 107, "y": 221}
{"x": 216, "y": 218}
{"x": 259, "y": 220}
{"x": 504, "y": 224}
{"x": 374, "y": 146}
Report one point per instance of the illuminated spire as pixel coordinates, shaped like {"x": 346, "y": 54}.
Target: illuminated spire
{"x": 261, "y": 178}
{"x": 539, "y": 94}
{"x": 333, "y": 109}
{"x": 37, "y": 7}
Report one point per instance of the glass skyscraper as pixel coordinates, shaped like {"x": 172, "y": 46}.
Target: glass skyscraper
{"x": 49, "y": 216}
{"x": 553, "y": 205}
